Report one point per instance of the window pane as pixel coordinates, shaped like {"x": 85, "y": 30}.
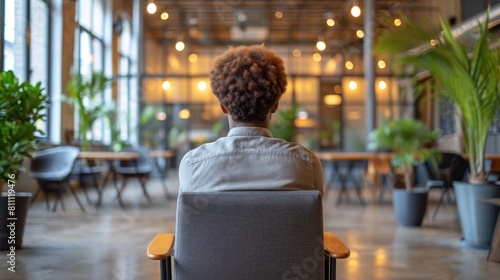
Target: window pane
{"x": 85, "y": 14}
{"x": 39, "y": 47}
{"x": 97, "y": 20}
{"x": 86, "y": 57}
{"x": 15, "y": 38}
{"x": 97, "y": 52}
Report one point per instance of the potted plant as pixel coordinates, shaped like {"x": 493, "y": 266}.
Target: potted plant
{"x": 85, "y": 93}
{"x": 21, "y": 106}
{"x": 410, "y": 142}
{"x": 466, "y": 69}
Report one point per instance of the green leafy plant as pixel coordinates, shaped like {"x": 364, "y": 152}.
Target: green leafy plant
{"x": 283, "y": 123}
{"x": 21, "y": 106}
{"x": 467, "y": 72}
{"x": 409, "y": 140}
{"x": 85, "y": 93}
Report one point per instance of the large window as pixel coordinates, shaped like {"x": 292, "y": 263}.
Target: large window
{"x": 126, "y": 103}
{"x": 90, "y": 50}
{"x": 28, "y": 59}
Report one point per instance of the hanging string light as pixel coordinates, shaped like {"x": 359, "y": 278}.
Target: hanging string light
{"x": 355, "y": 10}
{"x": 151, "y": 8}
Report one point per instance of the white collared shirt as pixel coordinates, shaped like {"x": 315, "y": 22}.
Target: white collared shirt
{"x": 250, "y": 159}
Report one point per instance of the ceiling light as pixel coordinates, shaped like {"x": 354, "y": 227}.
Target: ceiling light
{"x": 151, "y": 8}
{"x": 321, "y": 45}
{"x": 353, "y": 85}
{"x": 317, "y": 57}
{"x": 330, "y": 22}
{"x": 202, "y": 85}
{"x": 382, "y": 85}
{"x": 332, "y": 99}
{"x": 296, "y": 53}
{"x": 355, "y": 10}
{"x": 349, "y": 65}
{"x": 278, "y": 14}
{"x": 397, "y": 22}
{"x": 302, "y": 114}
{"x": 360, "y": 33}
{"x": 184, "y": 114}
{"x": 179, "y": 46}
{"x": 381, "y": 64}
{"x": 164, "y": 16}
{"x": 161, "y": 116}
{"x": 165, "y": 85}
{"x": 193, "y": 57}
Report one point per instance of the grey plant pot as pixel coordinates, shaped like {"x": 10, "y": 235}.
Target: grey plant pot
{"x": 22, "y": 202}
{"x": 410, "y": 206}
{"x": 477, "y": 218}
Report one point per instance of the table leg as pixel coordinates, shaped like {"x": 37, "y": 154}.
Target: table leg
{"x": 162, "y": 178}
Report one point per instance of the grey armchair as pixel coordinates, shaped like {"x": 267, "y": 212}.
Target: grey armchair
{"x": 249, "y": 235}
{"x": 52, "y": 169}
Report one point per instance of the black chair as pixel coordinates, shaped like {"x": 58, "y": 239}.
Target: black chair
{"x": 140, "y": 168}
{"x": 249, "y": 235}
{"x": 52, "y": 169}
{"x": 451, "y": 167}
{"x": 88, "y": 175}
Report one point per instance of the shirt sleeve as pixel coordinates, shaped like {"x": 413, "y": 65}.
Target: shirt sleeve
{"x": 185, "y": 173}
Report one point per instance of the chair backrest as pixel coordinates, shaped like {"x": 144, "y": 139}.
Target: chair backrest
{"x": 143, "y": 162}
{"x": 54, "y": 163}
{"x": 450, "y": 163}
{"x": 249, "y": 235}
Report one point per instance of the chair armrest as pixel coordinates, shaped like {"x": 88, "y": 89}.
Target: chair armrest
{"x": 161, "y": 247}
{"x": 334, "y": 247}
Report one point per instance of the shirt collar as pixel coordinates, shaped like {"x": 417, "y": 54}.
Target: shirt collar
{"x": 250, "y": 131}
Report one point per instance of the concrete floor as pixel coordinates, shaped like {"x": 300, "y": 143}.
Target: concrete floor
{"x": 110, "y": 242}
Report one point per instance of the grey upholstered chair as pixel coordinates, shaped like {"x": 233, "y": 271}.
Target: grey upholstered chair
{"x": 52, "y": 169}
{"x": 249, "y": 235}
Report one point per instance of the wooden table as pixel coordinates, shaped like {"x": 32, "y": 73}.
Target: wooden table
{"x": 109, "y": 157}
{"x": 349, "y": 160}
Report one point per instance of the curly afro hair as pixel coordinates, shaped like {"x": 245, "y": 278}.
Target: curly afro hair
{"x": 248, "y": 81}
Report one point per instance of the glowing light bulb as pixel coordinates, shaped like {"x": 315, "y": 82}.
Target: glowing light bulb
{"x": 317, "y": 57}
{"x": 355, "y": 11}
{"x": 164, "y": 16}
{"x": 193, "y": 57}
{"x": 382, "y": 85}
{"x": 381, "y": 64}
{"x": 151, "y": 8}
{"x": 353, "y": 85}
{"x": 165, "y": 85}
{"x": 320, "y": 45}
{"x": 349, "y": 65}
{"x": 202, "y": 85}
{"x": 179, "y": 46}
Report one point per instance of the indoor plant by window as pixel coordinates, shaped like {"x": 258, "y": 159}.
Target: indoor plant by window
{"x": 467, "y": 72}
{"x": 21, "y": 106}
{"x": 409, "y": 142}
{"x": 85, "y": 93}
